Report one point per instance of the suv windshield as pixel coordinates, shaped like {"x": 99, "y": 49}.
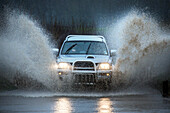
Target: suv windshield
{"x": 84, "y": 47}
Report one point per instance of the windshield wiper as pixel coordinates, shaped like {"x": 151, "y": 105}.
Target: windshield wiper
{"x": 68, "y": 50}
{"x": 88, "y": 48}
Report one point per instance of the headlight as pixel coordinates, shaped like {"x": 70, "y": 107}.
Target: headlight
{"x": 63, "y": 65}
{"x": 104, "y": 66}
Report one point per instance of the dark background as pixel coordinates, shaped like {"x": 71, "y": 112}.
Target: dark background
{"x": 63, "y": 17}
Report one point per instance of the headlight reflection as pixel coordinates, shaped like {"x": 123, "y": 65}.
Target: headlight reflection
{"x": 63, "y": 105}
{"x": 104, "y": 105}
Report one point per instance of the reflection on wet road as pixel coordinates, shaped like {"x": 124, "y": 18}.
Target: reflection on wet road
{"x": 104, "y": 105}
{"x": 63, "y": 105}
{"x": 133, "y": 103}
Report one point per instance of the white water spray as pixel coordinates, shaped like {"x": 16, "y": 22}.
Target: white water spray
{"x": 143, "y": 48}
{"x": 25, "y": 48}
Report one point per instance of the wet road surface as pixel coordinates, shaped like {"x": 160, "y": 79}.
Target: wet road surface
{"x": 55, "y": 104}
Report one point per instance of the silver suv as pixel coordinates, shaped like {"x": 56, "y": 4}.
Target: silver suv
{"x": 86, "y": 59}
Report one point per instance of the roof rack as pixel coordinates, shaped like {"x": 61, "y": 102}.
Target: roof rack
{"x": 69, "y": 36}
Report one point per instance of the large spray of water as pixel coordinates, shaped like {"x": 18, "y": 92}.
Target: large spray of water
{"x": 25, "y": 50}
{"x": 143, "y": 48}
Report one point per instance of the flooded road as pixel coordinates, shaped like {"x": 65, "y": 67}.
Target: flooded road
{"x": 143, "y": 61}
{"x": 83, "y": 103}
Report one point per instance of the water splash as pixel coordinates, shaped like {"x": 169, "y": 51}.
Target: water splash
{"x": 25, "y": 50}
{"x": 143, "y": 48}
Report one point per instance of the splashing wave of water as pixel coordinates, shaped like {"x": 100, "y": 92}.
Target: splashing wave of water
{"x": 144, "y": 48}
{"x": 25, "y": 50}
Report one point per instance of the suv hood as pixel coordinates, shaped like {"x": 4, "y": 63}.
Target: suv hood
{"x": 93, "y": 58}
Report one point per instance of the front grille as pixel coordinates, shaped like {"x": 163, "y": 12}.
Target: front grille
{"x": 89, "y": 78}
{"x": 84, "y": 66}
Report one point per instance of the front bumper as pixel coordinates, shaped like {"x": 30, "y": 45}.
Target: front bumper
{"x": 86, "y": 77}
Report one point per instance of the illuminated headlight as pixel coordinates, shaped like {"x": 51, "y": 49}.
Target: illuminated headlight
{"x": 63, "y": 65}
{"x": 104, "y": 66}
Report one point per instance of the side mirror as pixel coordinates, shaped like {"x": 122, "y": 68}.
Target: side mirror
{"x": 55, "y": 51}
{"x": 113, "y": 52}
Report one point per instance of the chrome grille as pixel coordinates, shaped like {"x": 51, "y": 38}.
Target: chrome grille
{"x": 84, "y": 66}
{"x": 89, "y": 78}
